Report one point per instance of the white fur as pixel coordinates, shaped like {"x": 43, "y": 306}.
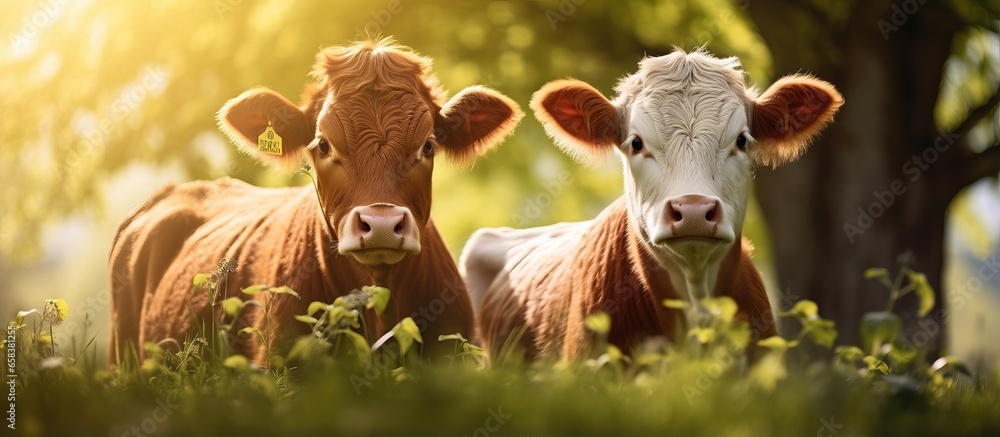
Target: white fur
{"x": 688, "y": 109}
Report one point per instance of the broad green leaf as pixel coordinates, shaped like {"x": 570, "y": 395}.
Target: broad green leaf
{"x": 769, "y": 370}
{"x": 878, "y": 328}
{"x": 232, "y": 306}
{"x": 340, "y": 302}
{"x": 237, "y": 362}
{"x": 803, "y": 309}
{"x": 876, "y": 272}
{"x": 285, "y": 290}
{"x": 821, "y": 331}
{"x": 703, "y": 335}
{"x": 614, "y": 354}
{"x": 723, "y": 307}
{"x": 306, "y": 347}
{"x": 902, "y": 354}
{"x": 406, "y": 332}
{"x": 254, "y": 290}
{"x": 473, "y": 350}
{"x": 338, "y": 314}
{"x": 676, "y": 304}
{"x": 774, "y": 343}
{"x": 202, "y": 280}
{"x": 309, "y": 320}
{"x": 456, "y": 336}
{"x": 378, "y": 298}
{"x": 598, "y": 323}
{"x": 924, "y": 292}
{"x": 356, "y": 340}
{"x": 60, "y": 308}
{"x": 739, "y": 334}
{"x": 849, "y": 354}
{"x": 879, "y": 273}
{"x": 317, "y": 306}
{"x": 877, "y": 364}
{"x": 44, "y": 338}
{"x": 401, "y": 374}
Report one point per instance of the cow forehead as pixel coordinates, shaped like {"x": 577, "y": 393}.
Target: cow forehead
{"x": 383, "y": 122}
{"x": 691, "y": 97}
{"x": 696, "y": 116}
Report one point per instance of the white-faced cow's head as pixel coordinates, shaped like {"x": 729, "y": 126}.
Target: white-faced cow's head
{"x": 370, "y": 126}
{"x": 689, "y": 132}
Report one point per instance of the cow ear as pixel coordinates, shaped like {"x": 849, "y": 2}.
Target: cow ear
{"x": 257, "y": 119}
{"x": 578, "y": 117}
{"x": 474, "y": 121}
{"x": 789, "y": 116}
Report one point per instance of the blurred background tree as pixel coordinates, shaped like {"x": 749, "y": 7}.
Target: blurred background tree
{"x": 106, "y": 92}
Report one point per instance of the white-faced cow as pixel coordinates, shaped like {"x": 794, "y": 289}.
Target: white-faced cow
{"x": 689, "y": 133}
{"x": 369, "y": 125}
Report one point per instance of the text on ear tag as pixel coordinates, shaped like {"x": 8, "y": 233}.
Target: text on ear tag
{"x": 269, "y": 141}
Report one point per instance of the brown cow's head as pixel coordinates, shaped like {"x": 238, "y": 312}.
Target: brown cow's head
{"x": 370, "y": 126}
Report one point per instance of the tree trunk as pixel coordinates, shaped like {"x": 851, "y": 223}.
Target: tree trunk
{"x": 818, "y": 208}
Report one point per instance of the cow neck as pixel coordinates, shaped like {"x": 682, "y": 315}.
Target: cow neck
{"x": 660, "y": 284}
{"x": 624, "y": 281}
{"x": 322, "y": 210}
{"x": 656, "y": 281}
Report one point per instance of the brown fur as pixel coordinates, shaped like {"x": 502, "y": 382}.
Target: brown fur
{"x": 548, "y": 295}
{"x": 549, "y": 286}
{"x": 376, "y": 104}
{"x": 789, "y": 115}
{"x": 277, "y": 237}
{"x": 578, "y": 117}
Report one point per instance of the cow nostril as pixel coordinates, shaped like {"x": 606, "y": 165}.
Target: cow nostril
{"x": 398, "y": 229}
{"x": 710, "y": 215}
{"x": 675, "y": 215}
{"x": 365, "y": 227}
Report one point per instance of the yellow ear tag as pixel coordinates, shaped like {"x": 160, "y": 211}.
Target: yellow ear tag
{"x": 269, "y": 141}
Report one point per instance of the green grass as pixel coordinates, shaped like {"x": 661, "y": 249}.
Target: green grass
{"x": 335, "y": 383}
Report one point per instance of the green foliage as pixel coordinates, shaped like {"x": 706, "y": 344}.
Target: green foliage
{"x": 136, "y": 93}
{"x": 335, "y": 379}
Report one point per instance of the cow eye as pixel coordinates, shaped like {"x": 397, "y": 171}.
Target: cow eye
{"x": 741, "y": 142}
{"x": 324, "y": 146}
{"x": 637, "y": 144}
{"x": 428, "y": 149}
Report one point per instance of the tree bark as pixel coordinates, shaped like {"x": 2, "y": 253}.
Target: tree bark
{"x": 817, "y": 208}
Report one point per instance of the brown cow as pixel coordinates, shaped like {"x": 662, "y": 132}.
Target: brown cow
{"x": 369, "y": 126}
{"x": 688, "y": 132}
